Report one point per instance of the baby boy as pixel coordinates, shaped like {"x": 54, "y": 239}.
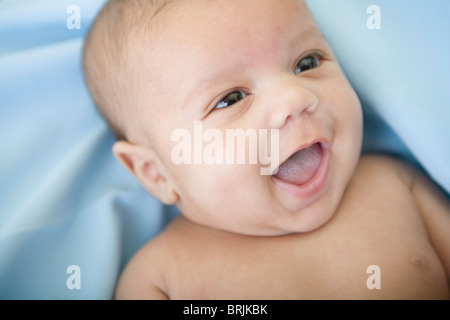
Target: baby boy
{"x": 310, "y": 230}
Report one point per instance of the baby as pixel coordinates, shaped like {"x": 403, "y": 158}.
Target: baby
{"x": 313, "y": 228}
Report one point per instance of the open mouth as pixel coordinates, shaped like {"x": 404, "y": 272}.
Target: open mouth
{"x": 305, "y": 171}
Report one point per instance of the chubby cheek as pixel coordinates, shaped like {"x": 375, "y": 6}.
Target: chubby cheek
{"x": 216, "y": 194}
{"x": 225, "y": 181}
{"x": 348, "y": 131}
{"x": 354, "y": 122}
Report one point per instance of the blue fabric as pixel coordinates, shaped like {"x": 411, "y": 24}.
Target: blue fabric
{"x": 66, "y": 201}
{"x": 401, "y": 73}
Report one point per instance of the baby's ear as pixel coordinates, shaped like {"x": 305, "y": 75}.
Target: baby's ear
{"x": 142, "y": 163}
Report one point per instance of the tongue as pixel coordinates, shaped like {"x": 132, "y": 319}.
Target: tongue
{"x": 301, "y": 166}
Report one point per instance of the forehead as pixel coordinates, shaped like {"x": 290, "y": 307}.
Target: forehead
{"x": 199, "y": 37}
{"x": 206, "y": 24}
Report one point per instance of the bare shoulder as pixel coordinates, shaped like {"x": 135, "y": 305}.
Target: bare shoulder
{"x": 432, "y": 204}
{"x": 383, "y": 161}
{"x": 387, "y": 167}
{"x": 142, "y": 278}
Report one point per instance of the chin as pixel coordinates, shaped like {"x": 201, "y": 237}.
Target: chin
{"x": 319, "y": 213}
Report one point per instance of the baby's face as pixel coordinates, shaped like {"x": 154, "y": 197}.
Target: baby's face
{"x": 253, "y": 65}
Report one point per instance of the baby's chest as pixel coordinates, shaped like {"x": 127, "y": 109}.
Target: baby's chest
{"x": 352, "y": 272}
{"x": 373, "y": 254}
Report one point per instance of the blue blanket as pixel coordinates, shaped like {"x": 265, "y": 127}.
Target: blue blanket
{"x": 71, "y": 217}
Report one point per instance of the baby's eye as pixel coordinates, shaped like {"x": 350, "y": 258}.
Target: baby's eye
{"x": 231, "y": 99}
{"x": 308, "y": 63}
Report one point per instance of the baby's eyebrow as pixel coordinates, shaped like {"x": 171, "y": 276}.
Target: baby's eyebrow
{"x": 211, "y": 79}
{"x": 311, "y": 33}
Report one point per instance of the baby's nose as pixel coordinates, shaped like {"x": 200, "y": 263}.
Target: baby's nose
{"x": 289, "y": 98}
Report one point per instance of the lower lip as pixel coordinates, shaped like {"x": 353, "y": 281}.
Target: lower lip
{"x": 315, "y": 184}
